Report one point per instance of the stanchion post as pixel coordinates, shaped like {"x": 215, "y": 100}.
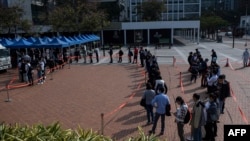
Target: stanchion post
{"x": 8, "y": 96}
{"x": 227, "y": 63}
{"x": 69, "y": 61}
{"x": 102, "y": 123}
{"x": 174, "y": 60}
{"x": 51, "y": 74}
{"x": 180, "y": 79}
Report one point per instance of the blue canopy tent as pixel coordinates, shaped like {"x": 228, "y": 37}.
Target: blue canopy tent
{"x": 31, "y": 39}
{"x": 58, "y": 43}
{"x": 22, "y": 43}
{"x": 39, "y": 43}
{"x": 85, "y": 38}
{"x": 46, "y": 39}
{"x": 95, "y": 37}
{"x": 82, "y": 41}
{"x": 17, "y": 39}
{"x": 65, "y": 39}
{"x": 91, "y": 37}
{"x": 5, "y": 42}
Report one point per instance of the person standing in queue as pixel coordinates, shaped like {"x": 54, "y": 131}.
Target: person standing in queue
{"x": 180, "y": 116}
{"x": 149, "y": 95}
{"x": 130, "y": 54}
{"x": 159, "y": 102}
{"x": 111, "y": 53}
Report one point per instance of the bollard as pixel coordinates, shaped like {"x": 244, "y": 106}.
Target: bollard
{"x": 102, "y": 124}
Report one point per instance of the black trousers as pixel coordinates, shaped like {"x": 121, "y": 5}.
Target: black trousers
{"x": 142, "y": 62}
{"x": 211, "y": 129}
{"x": 157, "y": 116}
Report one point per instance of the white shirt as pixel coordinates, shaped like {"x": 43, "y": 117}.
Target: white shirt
{"x": 42, "y": 65}
{"x": 159, "y": 81}
{"x": 97, "y": 50}
{"x": 212, "y": 80}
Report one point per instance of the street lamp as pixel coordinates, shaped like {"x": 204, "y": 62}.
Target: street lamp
{"x": 233, "y": 30}
{"x": 246, "y": 25}
{"x": 103, "y": 48}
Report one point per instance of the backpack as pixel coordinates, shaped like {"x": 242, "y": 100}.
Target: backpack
{"x": 162, "y": 86}
{"x": 130, "y": 53}
{"x": 187, "y": 117}
{"x": 168, "y": 109}
{"x": 214, "y": 116}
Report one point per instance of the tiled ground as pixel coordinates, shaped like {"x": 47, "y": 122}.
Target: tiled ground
{"x": 79, "y": 94}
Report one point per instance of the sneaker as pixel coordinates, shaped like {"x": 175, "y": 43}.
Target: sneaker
{"x": 41, "y": 82}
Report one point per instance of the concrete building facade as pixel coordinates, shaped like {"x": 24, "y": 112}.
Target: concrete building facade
{"x": 179, "y": 16}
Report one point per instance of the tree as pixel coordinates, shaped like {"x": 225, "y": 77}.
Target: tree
{"x": 210, "y": 24}
{"x": 151, "y": 10}
{"x": 78, "y": 16}
{"x": 112, "y": 9}
{"x": 11, "y": 18}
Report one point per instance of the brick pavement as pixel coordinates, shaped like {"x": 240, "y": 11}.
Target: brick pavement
{"x": 78, "y": 96}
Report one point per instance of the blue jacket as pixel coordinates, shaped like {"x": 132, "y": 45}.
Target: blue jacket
{"x": 160, "y": 101}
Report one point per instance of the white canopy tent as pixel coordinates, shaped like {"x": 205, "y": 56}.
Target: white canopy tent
{"x": 2, "y": 47}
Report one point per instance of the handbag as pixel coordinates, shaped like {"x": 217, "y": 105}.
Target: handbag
{"x": 143, "y": 102}
{"x": 168, "y": 109}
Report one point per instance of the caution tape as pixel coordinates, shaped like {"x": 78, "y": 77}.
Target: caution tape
{"x": 241, "y": 111}
{"x": 230, "y": 65}
{"x": 126, "y": 102}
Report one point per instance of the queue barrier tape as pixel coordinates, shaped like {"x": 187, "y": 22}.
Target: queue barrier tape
{"x": 36, "y": 80}
{"x": 231, "y": 66}
{"x": 126, "y": 102}
{"x": 243, "y": 115}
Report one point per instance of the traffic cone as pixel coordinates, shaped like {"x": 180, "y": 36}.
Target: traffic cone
{"x": 227, "y": 63}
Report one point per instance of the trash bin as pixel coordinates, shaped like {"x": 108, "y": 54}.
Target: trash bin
{"x": 219, "y": 39}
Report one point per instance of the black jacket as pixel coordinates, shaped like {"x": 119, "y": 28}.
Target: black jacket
{"x": 224, "y": 90}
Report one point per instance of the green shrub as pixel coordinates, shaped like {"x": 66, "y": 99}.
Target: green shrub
{"x": 54, "y": 132}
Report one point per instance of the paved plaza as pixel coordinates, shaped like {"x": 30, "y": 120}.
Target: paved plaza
{"x": 78, "y": 94}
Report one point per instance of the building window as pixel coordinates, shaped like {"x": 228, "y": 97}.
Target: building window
{"x": 4, "y": 3}
{"x": 192, "y": 8}
{"x": 191, "y": 1}
{"x": 192, "y": 16}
